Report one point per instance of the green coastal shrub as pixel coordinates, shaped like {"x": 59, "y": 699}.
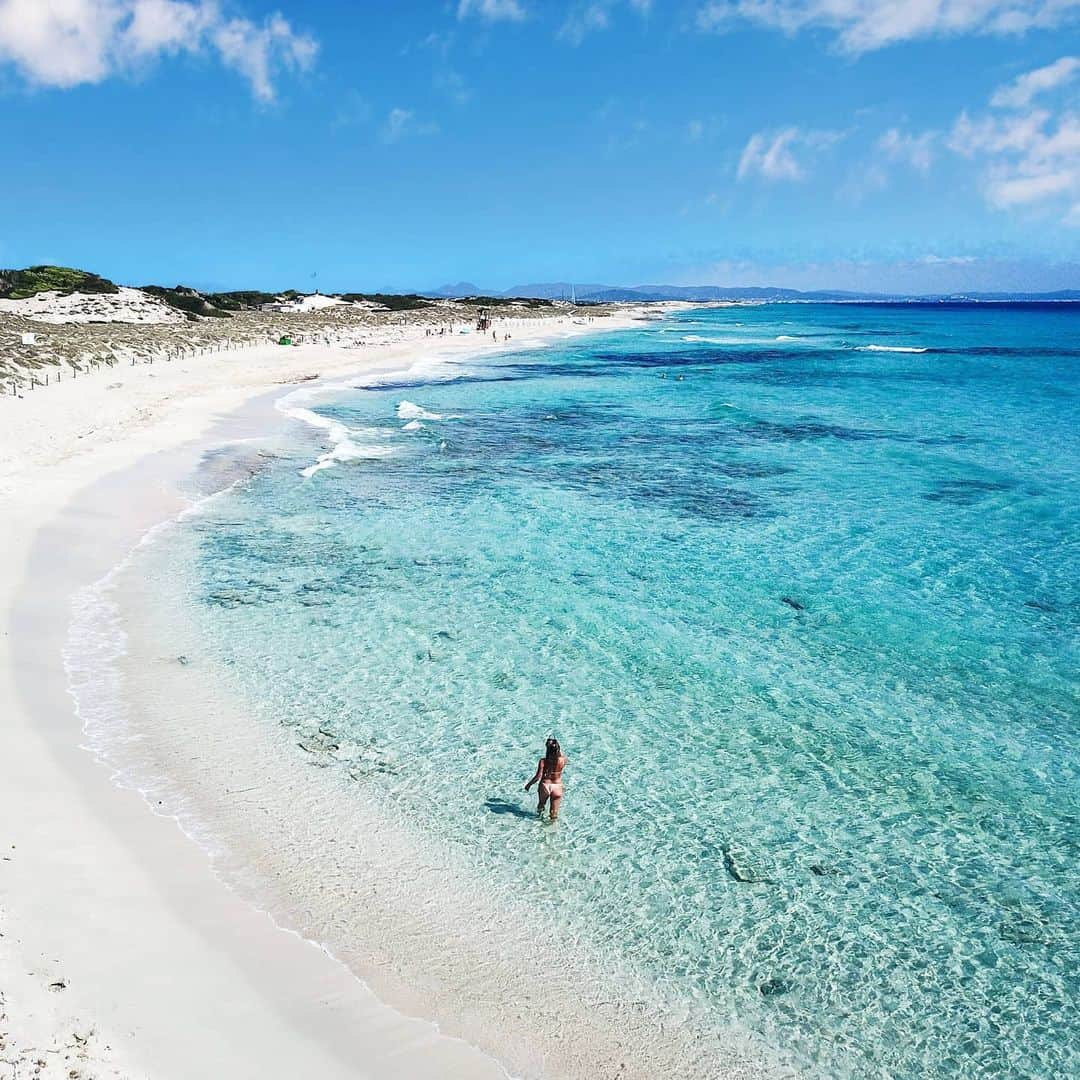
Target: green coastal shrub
{"x": 240, "y": 299}
{"x": 504, "y": 301}
{"x": 189, "y": 301}
{"x": 22, "y": 284}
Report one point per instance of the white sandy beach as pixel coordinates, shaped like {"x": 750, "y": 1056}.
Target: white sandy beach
{"x": 121, "y": 953}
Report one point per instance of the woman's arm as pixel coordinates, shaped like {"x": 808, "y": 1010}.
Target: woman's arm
{"x": 536, "y": 776}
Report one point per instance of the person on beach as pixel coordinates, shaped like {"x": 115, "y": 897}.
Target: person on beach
{"x": 549, "y": 774}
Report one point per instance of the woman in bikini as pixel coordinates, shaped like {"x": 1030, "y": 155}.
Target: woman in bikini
{"x": 549, "y": 773}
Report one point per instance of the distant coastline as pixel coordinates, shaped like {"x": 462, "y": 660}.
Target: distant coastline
{"x": 591, "y": 294}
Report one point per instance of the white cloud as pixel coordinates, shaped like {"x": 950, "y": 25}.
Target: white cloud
{"x": 864, "y": 25}
{"x": 397, "y": 124}
{"x": 995, "y": 135}
{"x": 772, "y": 154}
{"x": 1030, "y": 159}
{"x": 452, "y": 84}
{"x": 914, "y": 150}
{"x": 583, "y": 21}
{"x": 1019, "y": 190}
{"x": 584, "y": 18}
{"x": 492, "y": 10}
{"x": 1019, "y": 93}
{"x": 57, "y": 43}
{"x": 403, "y": 123}
{"x": 947, "y": 260}
{"x": 66, "y": 43}
{"x": 165, "y": 25}
{"x": 255, "y": 51}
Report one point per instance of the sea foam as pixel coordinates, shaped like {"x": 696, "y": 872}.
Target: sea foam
{"x": 699, "y": 339}
{"x": 891, "y": 348}
{"x": 406, "y": 410}
{"x": 344, "y": 451}
{"x": 343, "y": 447}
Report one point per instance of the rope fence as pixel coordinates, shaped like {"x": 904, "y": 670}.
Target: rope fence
{"x": 25, "y": 368}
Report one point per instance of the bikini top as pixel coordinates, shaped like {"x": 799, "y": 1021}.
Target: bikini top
{"x": 556, "y": 773}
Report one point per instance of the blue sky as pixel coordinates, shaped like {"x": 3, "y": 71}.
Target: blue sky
{"x": 917, "y": 146}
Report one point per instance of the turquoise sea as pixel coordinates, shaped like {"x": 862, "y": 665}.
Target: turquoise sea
{"x": 798, "y": 589}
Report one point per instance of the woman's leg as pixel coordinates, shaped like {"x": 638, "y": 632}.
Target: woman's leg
{"x": 542, "y": 793}
{"x": 556, "y": 799}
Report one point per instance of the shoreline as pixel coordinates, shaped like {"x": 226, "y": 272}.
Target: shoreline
{"x": 326, "y": 857}
{"x": 76, "y": 843}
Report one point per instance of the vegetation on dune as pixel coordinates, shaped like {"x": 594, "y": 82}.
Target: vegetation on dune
{"x": 220, "y": 304}
{"x": 22, "y": 284}
{"x": 240, "y": 299}
{"x": 189, "y": 301}
{"x": 503, "y": 301}
{"x": 390, "y": 301}
{"x": 73, "y": 347}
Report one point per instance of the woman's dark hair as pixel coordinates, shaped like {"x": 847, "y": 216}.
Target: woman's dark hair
{"x": 552, "y": 755}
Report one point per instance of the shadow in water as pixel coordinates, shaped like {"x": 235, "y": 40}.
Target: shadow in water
{"x": 501, "y": 806}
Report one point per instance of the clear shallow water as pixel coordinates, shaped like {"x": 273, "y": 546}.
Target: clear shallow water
{"x": 802, "y": 610}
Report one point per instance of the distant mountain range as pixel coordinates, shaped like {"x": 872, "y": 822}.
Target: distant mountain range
{"x": 28, "y": 282}
{"x": 559, "y": 290}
